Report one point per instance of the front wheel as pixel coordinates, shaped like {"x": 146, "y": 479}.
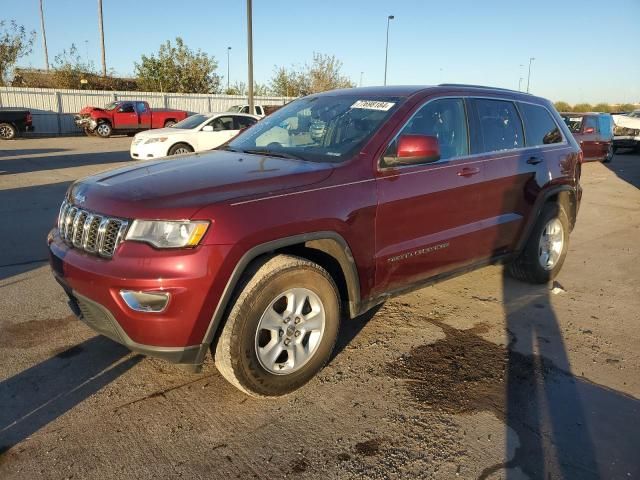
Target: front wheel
{"x": 543, "y": 255}
{"x": 609, "y": 155}
{"x": 7, "y": 131}
{"x": 281, "y": 329}
{"x": 104, "y": 130}
{"x": 180, "y": 149}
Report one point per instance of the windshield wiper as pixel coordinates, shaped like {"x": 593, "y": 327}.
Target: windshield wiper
{"x": 272, "y": 153}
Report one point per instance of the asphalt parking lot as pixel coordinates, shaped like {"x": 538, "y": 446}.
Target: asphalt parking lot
{"x": 477, "y": 377}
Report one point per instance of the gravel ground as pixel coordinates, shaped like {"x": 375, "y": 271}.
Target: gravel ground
{"x": 477, "y": 377}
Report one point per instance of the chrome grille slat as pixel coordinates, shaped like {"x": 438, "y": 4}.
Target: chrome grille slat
{"x": 89, "y": 231}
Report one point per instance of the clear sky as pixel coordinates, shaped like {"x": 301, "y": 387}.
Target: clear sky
{"x": 585, "y": 51}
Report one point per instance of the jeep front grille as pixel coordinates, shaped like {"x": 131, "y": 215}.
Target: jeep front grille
{"x": 89, "y": 231}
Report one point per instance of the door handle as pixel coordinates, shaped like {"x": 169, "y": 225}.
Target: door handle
{"x": 468, "y": 171}
{"x": 534, "y": 160}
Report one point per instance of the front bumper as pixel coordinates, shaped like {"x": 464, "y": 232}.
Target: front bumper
{"x": 626, "y": 141}
{"x": 143, "y": 151}
{"x": 190, "y": 277}
{"x": 85, "y": 123}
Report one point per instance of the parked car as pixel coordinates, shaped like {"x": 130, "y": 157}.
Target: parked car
{"x": 594, "y": 134}
{"x": 256, "y": 251}
{"x": 626, "y": 133}
{"x": 13, "y": 122}
{"x": 196, "y": 133}
{"x": 125, "y": 117}
{"x": 259, "y": 110}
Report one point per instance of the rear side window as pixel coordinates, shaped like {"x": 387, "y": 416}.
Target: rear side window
{"x": 244, "y": 122}
{"x": 539, "y": 126}
{"x": 444, "y": 119}
{"x": 141, "y": 107}
{"x": 605, "y": 124}
{"x": 499, "y": 125}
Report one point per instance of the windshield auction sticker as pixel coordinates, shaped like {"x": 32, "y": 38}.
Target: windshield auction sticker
{"x": 373, "y": 105}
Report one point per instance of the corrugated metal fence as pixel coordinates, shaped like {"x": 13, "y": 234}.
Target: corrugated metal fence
{"x": 53, "y": 110}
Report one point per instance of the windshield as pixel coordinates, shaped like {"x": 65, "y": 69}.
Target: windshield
{"x": 635, "y": 114}
{"x": 190, "y": 122}
{"x": 574, "y": 123}
{"x": 322, "y": 129}
{"x": 235, "y": 108}
{"x": 111, "y": 106}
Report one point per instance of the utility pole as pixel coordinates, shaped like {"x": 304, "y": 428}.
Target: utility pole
{"x": 250, "y": 54}
{"x": 104, "y": 62}
{"x": 386, "y": 50}
{"x": 361, "y": 73}
{"x": 520, "y": 84}
{"x": 531, "y": 59}
{"x": 44, "y": 39}
{"x": 228, "y": 67}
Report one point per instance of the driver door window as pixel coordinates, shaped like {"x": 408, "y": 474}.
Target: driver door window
{"x": 223, "y": 130}
{"x": 444, "y": 119}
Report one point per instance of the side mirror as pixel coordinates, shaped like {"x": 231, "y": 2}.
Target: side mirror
{"x": 589, "y": 130}
{"x": 207, "y": 128}
{"x": 415, "y": 149}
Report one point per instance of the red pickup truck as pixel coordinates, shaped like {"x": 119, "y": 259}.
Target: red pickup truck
{"x": 126, "y": 117}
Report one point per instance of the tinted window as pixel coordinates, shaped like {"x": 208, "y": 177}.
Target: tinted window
{"x": 258, "y": 110}
{"x": 605, "y": 125}
{"x": 126, "y": 108}
{"x": 540, "y": 128}
{"x": 444, "y": 119}
{"x": 141, "y": 107}
{"x": 574, "y": 123}
{"x": 590, "y": 122}
{"x": 244, "y": 122}
{"x": 500, "y": 127}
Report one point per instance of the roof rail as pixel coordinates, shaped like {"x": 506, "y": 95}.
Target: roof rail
{"x": 481, "y": 86}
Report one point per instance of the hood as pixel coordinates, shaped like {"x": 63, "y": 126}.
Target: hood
{"x": 178, "y": 188}
{"x": 159, "y": 132}
{"x": 88, "y": 110}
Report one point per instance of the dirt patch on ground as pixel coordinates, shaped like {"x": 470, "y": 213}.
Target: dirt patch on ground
{"x": 368, "y": 448}
{"x": 32, "y": 332}
{"x": 464, "y": 373}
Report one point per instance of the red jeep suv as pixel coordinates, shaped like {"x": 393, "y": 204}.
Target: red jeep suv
{"x": 256, "y": 251}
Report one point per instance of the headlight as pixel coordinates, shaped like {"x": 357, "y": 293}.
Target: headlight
{"x": 167, "y": 234}
{"x": 156, "y": 140}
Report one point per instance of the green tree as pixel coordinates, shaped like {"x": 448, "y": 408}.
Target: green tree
{"x": 324, "y": 73}
{"x": 582, "y": 107}
{"x": 15, "y": 43}
{"x": 177, "y": 68}
{"x": 69, "y": 69}
{"x": 626, "y": 107}
{"x": 240, "y": 88}
{"x": 562, "y": 106}
{"x": 602, "y": 107}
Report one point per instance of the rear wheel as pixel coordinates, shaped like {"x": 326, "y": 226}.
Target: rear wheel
{"x": 169, "y": 123}
{"x": 281, "y": 329}
{"x": 7, "y": 131}
{"x": 609, "y": 155}
{"x": 545, "y": 250}
{"x": 180, "y": 149}
{"x": 104, "y": 130}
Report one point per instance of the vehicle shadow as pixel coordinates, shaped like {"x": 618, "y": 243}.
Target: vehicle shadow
{"x": 19, "y": 152}
{"x": 350, "y": 328}
{"x": 36, "y": 397}
{"x": 559, "y": 425}
{"x": 27, "y": 214}
{"x": 626, "y": 166}
{"x": 54, "y": 162}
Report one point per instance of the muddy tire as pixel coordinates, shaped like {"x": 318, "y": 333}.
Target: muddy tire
{"x": 281, "y": 328}
{"x": 543, "y": 255}
{"x": 104, "y": 130}
{"x": 180, "y": 149}
{"x": 7, "y": 131}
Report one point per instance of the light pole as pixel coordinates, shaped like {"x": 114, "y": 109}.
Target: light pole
{"x": 104, "y": 62}
{"x": 531, "y": 59}
{"x": 250, "y": 54}
{"x": 44, "y": 39}
{"x": 520, "y": 84}
{"x": 361, "y": 73}
{"x": 228, "y": 65}
{"x": 386, "y": 50}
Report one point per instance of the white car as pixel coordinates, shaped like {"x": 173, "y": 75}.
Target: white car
{"x": 203, "y": 131}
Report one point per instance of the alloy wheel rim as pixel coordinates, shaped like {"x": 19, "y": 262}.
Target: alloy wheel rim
{"x": 289, "y": 331}
{"x": 103, "y": 129}
{"x": 551, "y": 244}
{"x": 6, "y": 132}
{"x": 180, "y": 151}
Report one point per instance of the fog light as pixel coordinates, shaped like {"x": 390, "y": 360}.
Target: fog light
{"x": 154, "y": 302}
